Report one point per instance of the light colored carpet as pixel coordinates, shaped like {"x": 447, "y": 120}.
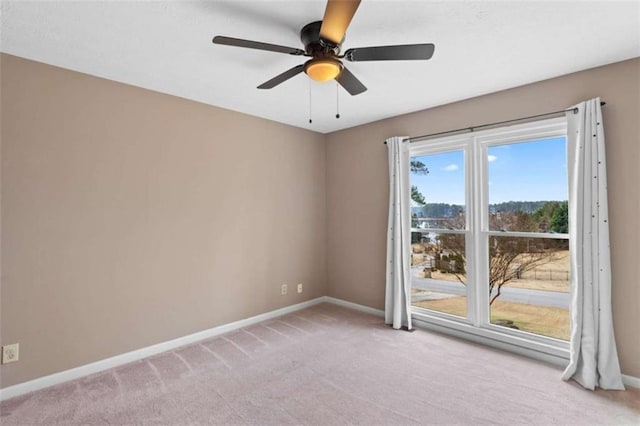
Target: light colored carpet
{"x": 326, "y": 365}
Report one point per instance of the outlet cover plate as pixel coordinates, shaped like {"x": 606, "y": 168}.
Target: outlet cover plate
{"x": 10, "y": 353}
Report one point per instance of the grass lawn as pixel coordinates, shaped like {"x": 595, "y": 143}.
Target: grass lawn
{"x": 547, "y": 321}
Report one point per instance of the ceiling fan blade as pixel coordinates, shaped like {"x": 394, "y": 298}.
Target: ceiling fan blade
{"x": 350, "y": 82}
{"x": 229, "y": 41}
{"x": 337, "y": 17}
{"x": 390, "y": 53}
{"x": 282, "y": 77}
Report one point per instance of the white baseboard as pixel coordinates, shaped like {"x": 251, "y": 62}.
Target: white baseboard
{"x": 118, "y": 360}
{"x": 355, "y": 306}
{"x": 125, "y": 358}
{"x": 632, "y": 381}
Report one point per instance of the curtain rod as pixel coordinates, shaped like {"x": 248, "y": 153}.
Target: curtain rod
{"x": 472, "y": 128}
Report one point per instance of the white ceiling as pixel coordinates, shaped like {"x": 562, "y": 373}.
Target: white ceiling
{"x": 481, "y": 47}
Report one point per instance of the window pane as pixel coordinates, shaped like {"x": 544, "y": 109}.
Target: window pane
{"x": 528, "y": 186}
{"x": 438, "y": 191}
{"x": 438, "y": 272}
{"x": 529, "y": 285}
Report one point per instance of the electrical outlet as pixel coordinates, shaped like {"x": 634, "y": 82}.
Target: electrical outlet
{"x": 283, "y": 289}
{"x": 10, "y": 353}
{"x": 299, "y": 287}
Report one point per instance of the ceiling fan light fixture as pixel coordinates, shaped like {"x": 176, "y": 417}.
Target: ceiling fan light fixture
{"x": 323, "y": 69}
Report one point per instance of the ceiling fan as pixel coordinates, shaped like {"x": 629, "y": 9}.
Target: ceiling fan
{"x": 322, "y": 41}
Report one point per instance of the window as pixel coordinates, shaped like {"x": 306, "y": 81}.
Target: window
{"x": 489, "y": 233}
{"x": 438, "y": 232}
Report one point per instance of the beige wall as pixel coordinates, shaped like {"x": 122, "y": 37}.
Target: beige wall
{"x": 131, "y": 217}
{"x": 357, "y": 185}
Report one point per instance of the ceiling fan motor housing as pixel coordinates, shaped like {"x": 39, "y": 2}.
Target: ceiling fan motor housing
{"x": 314, "y": 45}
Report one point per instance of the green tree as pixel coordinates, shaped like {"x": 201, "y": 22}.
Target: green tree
{"x": 418, "y": 168}
{"x": 417, "y": 196}
{"x": 542, "y": 216}
{"x": 552, "y": 216}
{"x": 560, "y": 219}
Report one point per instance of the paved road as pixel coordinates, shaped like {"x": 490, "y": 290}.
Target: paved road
{"x": 519, "y": 295}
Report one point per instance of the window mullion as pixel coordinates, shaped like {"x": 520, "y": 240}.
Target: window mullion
{"x": 472, "y": 277}
{"x": 480, "y": 246}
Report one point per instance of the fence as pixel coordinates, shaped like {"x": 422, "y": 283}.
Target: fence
{"x": 546, "y": 275}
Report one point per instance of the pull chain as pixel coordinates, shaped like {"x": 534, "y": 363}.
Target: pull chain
{"x": 337, "y": 100}
{"x": 310, "y": 120}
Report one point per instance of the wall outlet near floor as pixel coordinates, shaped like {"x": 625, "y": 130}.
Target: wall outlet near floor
{"x": 10, "y": 353}
{"x": 283, "y": 289}
{"x": 299, "y": 287}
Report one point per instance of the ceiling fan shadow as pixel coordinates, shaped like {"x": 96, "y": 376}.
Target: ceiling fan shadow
{"x": 259, "y": 13}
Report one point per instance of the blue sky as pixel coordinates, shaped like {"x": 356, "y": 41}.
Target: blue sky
{"x": 526, "y": 171}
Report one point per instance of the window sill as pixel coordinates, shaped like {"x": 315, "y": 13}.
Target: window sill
{"x": 554, "y": 352}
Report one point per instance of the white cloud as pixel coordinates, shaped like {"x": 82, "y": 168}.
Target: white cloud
{"x": 491, "y": 158}
{"x": 450, "y": 168}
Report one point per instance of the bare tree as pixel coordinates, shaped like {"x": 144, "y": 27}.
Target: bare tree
{"x": 509, "y": 257}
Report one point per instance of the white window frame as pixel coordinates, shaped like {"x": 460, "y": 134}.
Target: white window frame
{"x": 477, "y": 324}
